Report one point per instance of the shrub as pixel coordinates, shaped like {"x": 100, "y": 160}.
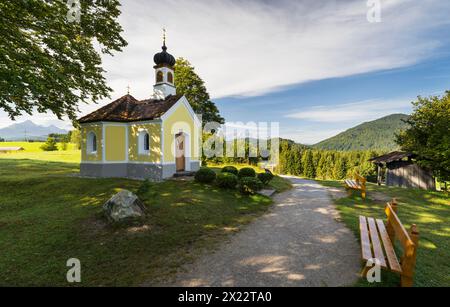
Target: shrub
{"x": 50, "y": 145}
{"x": 247, "y": 172}
{"x": 205, "y": 175}
{"x": 230, "y": 169}
{"x": 265, "y": 178}
{"x": 227, "y": 180}
{"x": 249, "y": 185}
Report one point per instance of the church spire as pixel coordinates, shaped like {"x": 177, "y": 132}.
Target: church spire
{"x": 164, "y": 71}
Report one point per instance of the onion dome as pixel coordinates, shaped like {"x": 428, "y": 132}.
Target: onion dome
{"x": 164, "y": 58}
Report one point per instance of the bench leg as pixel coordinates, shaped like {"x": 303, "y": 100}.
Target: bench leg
{"x": 406, "y": 281}
{"x": 349, "y": 192}
{"x": 363, "y": 194}
{"x": 365, "y": 270}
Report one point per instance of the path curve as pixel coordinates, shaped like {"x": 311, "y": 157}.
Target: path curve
{"x": 298, "y": 242}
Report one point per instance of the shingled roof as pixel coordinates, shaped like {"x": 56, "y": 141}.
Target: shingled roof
{"x": 391, "y": 157}
{"x": 129, "y": 109}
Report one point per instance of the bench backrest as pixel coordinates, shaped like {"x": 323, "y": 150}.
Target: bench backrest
{"x": 361, "y": 180}
{"x": 408, "y": 240}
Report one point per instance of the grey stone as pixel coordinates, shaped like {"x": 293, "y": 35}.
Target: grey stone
{"x": 124, "y": 206}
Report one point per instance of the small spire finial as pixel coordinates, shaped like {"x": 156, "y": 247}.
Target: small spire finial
{"x": 164, "y": 37}
{"x": 128, "y": 89}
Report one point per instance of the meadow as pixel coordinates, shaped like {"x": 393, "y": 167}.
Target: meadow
{"x": 49, "y": 214}
{"x": 429, "y": 210}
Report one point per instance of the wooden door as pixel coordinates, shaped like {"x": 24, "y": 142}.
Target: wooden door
{"x": 180, "y": 152}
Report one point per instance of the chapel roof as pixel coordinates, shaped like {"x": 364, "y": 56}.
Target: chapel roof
{"x": 129, "y": 109}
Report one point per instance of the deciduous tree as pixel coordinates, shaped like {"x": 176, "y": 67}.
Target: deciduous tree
{"x": 193, "y": 87}
{"x": 50, "y": 62}
{"x": 428, "y": 135}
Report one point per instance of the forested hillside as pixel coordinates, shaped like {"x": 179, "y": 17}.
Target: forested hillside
{"x": 374, "y": 135}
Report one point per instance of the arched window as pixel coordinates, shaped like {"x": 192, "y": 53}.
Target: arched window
{"x": 170, "y": 78}
{"x": 159, "y": 77}
{"x": 91, "y": 143}
{"x": 144, "y": 142}
{"x": 147, "y": 142}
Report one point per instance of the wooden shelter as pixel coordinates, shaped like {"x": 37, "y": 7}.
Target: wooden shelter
{"x": 398, "y": 169}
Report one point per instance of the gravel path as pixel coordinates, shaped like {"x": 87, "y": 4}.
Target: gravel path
{"x": 298, "y": 243}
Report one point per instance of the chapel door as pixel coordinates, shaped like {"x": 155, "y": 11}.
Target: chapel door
{"x": 180, "y": 152}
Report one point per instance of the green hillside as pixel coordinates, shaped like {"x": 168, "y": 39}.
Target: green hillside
{"x": 375, "y": 135}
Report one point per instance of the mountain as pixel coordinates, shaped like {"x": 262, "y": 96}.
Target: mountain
{"x": 28, "y": 130}
{"x": 375, "y": 135}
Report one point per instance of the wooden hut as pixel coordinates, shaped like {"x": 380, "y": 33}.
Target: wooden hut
{"x": 398, "y": 169}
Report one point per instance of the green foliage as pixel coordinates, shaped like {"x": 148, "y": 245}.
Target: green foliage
{"x": 309, "y": 170}
{"x": 60, "y": 138}
{"x": 428, "y": 135}
{"x": 64, "y": 146}
{"x": 49, "y": 63}
{"x": 75, "y": 138}
{"x": 50, "y": 145}
{"x": 193, "y": 87}
{"x": 205, "y": 175}
{"x": 227, "y": 180}
{"x": 246, "y": 172}
{"x": 249, "y": 185}
{"x": 230, "y": 169}
{"x": 265, "y": 178}
{"x": 375, "y": 135}
{"x": 298, "y": 160}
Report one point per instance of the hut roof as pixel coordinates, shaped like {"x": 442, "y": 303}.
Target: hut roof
{"x": 11, "y": 148}
{"x": 392, "y": 156}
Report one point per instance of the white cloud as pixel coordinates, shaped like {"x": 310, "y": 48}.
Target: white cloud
{"x": 252, "y": 47}
{"x": 255, "y": 47}
{"x": 356, "y": 111}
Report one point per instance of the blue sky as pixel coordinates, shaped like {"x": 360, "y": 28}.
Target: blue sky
{"x": 316, "y": 110}
{"x": 317, "y": 67}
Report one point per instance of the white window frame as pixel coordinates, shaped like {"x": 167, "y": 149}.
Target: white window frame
{"x": 90, "y": 145}
{"x": 141, "y": 143}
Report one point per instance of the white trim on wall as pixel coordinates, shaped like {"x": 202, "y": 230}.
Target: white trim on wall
{"x": 103, "y": 143}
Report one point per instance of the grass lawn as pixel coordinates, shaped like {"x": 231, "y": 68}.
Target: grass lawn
{"x": 429, "y": 210}
{"x": 49, "y": 215}
{"x": 34, "y": 152}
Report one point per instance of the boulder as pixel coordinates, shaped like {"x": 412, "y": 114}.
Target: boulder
{"x": 124, "y": 206}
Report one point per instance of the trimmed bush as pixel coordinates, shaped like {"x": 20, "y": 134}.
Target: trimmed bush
{"x": 249, "y": 185}
{"x": 247, "y": 172}
{"x": 227, "y": 180}
{"x": 205, "y": 175}
{"x": 230, "y": 169}
{"x": 265, "y": 178}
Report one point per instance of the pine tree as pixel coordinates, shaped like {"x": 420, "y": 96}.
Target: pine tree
{"x": 308, "y": 165}
{"x": 50, "y": 145}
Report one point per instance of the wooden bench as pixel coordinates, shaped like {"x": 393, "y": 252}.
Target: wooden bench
{"x": 377, "y": 242}
{"x": 359, "y": 183}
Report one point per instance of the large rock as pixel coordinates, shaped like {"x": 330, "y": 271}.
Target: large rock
{"x": 124, "y": 206}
